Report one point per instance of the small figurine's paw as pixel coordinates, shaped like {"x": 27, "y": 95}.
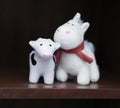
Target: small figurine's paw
{"x": 34, "y": 77}
{"x": 61, "y": 75}
{"x": 33, "y": 80}
{"x": 48, "y": 82}
{"x": 49, "y": 77}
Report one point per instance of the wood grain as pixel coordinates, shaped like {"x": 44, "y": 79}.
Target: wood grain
{"x": 15, "y": 85}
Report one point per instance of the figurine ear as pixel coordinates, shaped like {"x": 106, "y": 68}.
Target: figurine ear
{"x": 57, "y": 45}
{"x": 77, "y": 17}
{"x": 31, "y": 43}
{"x": 85, "y": 26}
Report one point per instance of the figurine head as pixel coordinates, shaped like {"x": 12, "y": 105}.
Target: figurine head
{"x": 44, "y": 47}
{"x": 71, "y": 34}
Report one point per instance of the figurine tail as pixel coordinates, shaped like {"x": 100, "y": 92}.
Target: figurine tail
{"x": 90, "y": 45}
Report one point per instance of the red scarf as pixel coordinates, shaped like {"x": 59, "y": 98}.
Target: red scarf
{"x": 77, "y": 51}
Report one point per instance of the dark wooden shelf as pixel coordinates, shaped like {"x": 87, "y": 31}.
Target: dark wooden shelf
{"x": 14, "y": 84}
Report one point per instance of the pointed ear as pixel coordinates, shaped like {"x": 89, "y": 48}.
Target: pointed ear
{"x": 85, "y": 26}
{"x": 57, "y": 45}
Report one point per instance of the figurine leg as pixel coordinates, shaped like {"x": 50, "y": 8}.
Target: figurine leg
{"x": 83, "y": 76}
{"x": 34, "y": 75}
{"x": 49, "y": 77}
{"x": 94, "y": 72}
{"x": 61, "y": 74}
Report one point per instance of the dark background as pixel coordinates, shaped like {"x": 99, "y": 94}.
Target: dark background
{"x": 61, "y": 103}
{"x": 24, "y": 20}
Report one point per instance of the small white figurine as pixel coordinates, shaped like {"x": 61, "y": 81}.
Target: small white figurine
{"x": 41, "y": 60}
{"x": 76, "y": 55}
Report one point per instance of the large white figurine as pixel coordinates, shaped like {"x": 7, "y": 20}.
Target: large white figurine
{"x": 76, "y": 55}
{"x": 41, "y": 60}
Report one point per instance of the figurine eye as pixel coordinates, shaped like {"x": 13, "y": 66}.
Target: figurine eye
{"x": 41, "y": 44}
{"x": 68, "y": 23}
{"x": 73, "y": 24}
{"x": 50, "y": 45}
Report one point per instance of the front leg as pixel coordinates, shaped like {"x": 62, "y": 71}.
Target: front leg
{"x": 49, "y": 77}
{"x": 83, "y": 76}
{"x": 61, "y": 75}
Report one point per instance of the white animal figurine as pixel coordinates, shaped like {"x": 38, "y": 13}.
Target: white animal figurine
{"x": 41, "y": 60}
{"x": 76, "y": 55}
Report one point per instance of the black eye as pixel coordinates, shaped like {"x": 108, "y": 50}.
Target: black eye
{"x": 41, "y": 44}
{"x": 73, "y": 25}
{"x": 50, "y": 45}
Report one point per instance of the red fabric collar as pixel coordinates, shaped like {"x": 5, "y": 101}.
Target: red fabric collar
{"x": 77, "y": 51}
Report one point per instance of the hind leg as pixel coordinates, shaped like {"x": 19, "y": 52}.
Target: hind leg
{"x": 61, "y": 75}
{"x": 34, "y": 75}
{"x": 34, "y": 69}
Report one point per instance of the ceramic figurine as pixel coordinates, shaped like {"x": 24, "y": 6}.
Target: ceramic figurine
{"x": 41, "y": 60}
{"x": 76, "y": 56}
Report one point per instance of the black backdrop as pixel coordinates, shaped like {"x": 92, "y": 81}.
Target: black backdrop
{"x": 24, "y": 20}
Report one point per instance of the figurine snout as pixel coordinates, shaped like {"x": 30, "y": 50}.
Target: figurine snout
{"x": 67, "y": 32}
{"x": 46, "y": 57}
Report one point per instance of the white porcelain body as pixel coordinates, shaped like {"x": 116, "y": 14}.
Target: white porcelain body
{"x": 43, "y": 55}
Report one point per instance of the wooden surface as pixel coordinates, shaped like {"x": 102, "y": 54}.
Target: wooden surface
{"x": 14, "y": 84}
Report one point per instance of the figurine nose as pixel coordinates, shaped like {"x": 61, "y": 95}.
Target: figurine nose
{"x": 67, "y": 32}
